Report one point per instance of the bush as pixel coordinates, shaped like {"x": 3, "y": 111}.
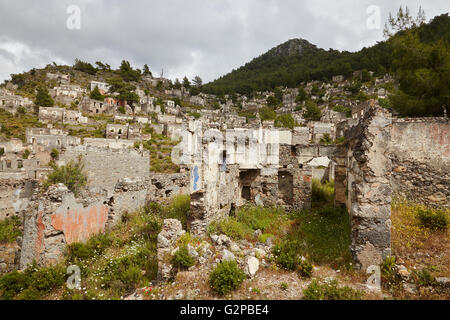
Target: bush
{"x": 126, "y": 272}
{"x": 71, "y": 175}
{"x": 326, "y": 139}
{"x": 26, "y": 154}
{"x": 432, "y": 219}
{"x": 424, "y": 277}
{"x": 267, "y": 113}
{"x": 305, "y": 269}
{"x": 31, "y": 284}
{"x": 312, "y": 112}
{"x": 286, "y": 255}
{"x": 330, "y": 291}
{"x": 226, "y": 277}
{"x": 285, "y": 121}
{"x": 83, "y": 251}
{"x": 9, "y": 229}
{"x": 182, "y": 259}
{"x": 54, "y": 154}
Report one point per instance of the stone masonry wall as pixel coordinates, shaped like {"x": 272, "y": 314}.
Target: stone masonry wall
{"x": 369, "y": 189}
{"x": 105, "y": 166}
{"x": 421, "y": 160}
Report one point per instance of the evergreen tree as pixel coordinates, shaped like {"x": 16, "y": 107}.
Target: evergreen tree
{"x": 43, "y": 98}
{"x": 197, "y": 81}
{"x": 177, "y": 84}
{"x": 186, "y": 83}
{"x": 147, "y": 70}
{"x": 312, "y": 112}
{"x": 128, "y": 73}
{"x": 96, "y": 95}
{"x": 422, "y": 67}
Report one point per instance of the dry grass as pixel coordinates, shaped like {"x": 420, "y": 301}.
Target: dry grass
{"x": 415, "y": 246}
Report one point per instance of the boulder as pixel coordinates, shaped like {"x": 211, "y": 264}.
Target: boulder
{"x": 251, "y": 266}
{"x": 228, "y": 256}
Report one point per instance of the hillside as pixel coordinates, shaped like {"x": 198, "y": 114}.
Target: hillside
{"x": 297, "y": 60}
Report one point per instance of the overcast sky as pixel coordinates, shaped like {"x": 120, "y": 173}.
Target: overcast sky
{"x": 208, "y": 38}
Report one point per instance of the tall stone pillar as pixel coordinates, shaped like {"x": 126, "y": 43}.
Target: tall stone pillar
{"x": 369, "y": 188}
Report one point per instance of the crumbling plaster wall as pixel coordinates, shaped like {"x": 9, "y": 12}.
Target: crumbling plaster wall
{"x": 58, "y": 218}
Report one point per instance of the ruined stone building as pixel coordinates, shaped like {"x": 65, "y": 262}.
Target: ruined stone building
{"x": 223, "y": 169}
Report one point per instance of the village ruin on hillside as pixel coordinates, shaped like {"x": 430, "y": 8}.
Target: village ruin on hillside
{"x": 221, "y": 154}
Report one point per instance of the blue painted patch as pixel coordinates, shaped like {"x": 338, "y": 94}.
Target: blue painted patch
{"x": 196, "y": 178}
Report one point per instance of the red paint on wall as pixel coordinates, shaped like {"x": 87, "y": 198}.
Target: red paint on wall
{"x": 79, "y": 225}
{"x": 39, "y": 244}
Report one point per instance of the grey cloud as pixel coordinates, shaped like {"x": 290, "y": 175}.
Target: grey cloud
{"x": 189, "y": 37}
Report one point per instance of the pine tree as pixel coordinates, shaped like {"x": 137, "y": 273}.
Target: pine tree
{"x": 96, "y": 95}
{"x": 43, "y": 98}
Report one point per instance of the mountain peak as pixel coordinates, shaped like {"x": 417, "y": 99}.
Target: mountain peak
{"x": 292, "y": 47}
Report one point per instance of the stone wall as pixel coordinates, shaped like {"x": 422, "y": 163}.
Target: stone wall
{"x": 105, "y": 167}
{"x": 421, "y": 160}
{"x": 56, "y": 218}
{"x": 369, "y": 190}
{"x": 14, "y": 196}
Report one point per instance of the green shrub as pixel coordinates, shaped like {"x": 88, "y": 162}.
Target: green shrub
{"x": 182, "y": 259}
{"x": 326, "y": 139}
{"x": 54, "y": 154}
{"x": 424, "y": 277}
{"x": 32, "y": 284}
{"x": 330, "y": 291}
{"x": 31, "y": 294}
{"x": 96, "y": 245}
{"x": 305, "y": 269}
{"x": 435, "y": 220}
{"x": 226, "y": 277}
{"x": 285, "y": 121}
{"x": 12, "y": 284}
{"x": 9, "y": 229}
{"x": 286, "y": 255}
{"x": 390, "y": 276}
{"x": 26, "y": 154}
{"x": 284, "y": 286}
{"x": 71, "y": 175}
